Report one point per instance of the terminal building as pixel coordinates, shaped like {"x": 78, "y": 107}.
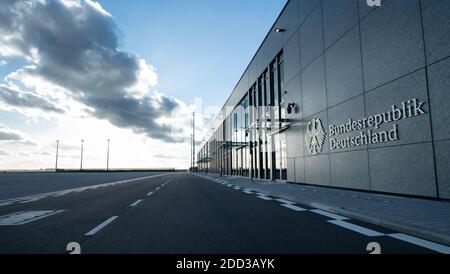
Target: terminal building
{"x": 346, "y": 94}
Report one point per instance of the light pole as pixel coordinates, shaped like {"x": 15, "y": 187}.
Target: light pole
{"x": 107, "y": 158}
{"x": 193, "y": 139}
{"x": 191, "y": 155}
{"x": 81, "y": 163}
{"x": 57, "y": 150}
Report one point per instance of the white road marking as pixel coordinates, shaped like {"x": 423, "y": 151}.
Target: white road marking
{"x": 136, "y": 203}
{"x": 62, "y": 193}
{"x": 293, "y": 207}
{"x": 6, "y": 204}
{"x": 101, "y": 226}
{"x": 24, "y": 217}
{"x": 264, "y": 197}
{"x": 236, "y": 187}
{"x": 329, "y": 214}
{"x": 357, "y": 228}
{"x": 420, "y": 242}
{"x": 31, "y": 200}
{"x": 247, "y": 192}
{"x": 157, "y": 188}
{"x": 59, "y": 193}
{"x": 150, "y": 193}
{"x": 285, "y": 201}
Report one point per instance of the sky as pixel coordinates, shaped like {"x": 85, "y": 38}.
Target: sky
{"x": 128, "y": 71}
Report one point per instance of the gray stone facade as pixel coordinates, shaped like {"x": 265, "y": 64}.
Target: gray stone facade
{"x": 344, "y": 60}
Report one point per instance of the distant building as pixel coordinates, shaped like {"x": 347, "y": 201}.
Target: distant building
{"x": 346, "y": 95}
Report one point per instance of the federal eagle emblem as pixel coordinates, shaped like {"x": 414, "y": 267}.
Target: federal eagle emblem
{"x": 314, "y": 136}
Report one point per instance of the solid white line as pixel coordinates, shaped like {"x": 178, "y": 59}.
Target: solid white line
{"x": 293, "y": 207}
{"x": 264, "y": 197}
{"x": 420, "y": 242}
{"x": 150, "y": 193}
{"x": 31, "y": 200}
{"x": 329, "y": 214}
{"x": 62, "y": 193}
{"x": 357, "y": 228}
{"x": 24, "y": 217}
{"x": 136, "y": 203}
{"x": 284, "y": 201}
{"x": 100, "y": 226}
{"x": 5, "y": 204}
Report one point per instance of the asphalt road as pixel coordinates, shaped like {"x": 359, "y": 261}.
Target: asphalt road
{"x": 17, "y": 184}
{"x": 184, "y": 213}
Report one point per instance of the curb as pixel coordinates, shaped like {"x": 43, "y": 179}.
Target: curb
{"x": 390, "y": 224}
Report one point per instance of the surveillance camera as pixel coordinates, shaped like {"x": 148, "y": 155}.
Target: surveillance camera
{"x": 290, "y": 108}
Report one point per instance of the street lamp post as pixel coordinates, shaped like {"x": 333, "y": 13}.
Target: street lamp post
{"x": 192, "y": 161}
{"x": 81, "y": 163}
{"x": 107, "y": 157}
{"x": 57, "y": 151}
{"x": 193, "y": 140}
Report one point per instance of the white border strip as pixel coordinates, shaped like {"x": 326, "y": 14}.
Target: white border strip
{"x": 329, "y": 214}
{"x": 264, "y": 197}
{"x": 420, "y": 242}
{"x": 357, "y": 228}
{"x": 293, "y": 207}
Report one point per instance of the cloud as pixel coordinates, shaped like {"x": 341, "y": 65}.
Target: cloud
{"x": 168, "y": 156}
{"x": 7, "y": 134}
{"x": 11, "y": 136}
{"x": 20, "y": 99}
{"x": 4, "y": 153}
{"x": 74, "y": 45}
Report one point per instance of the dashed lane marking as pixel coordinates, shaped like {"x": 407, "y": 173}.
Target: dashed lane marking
{"x": 136, "y": 203}
{"x": 101, "y": 226}
{"x": 150, "y": 193}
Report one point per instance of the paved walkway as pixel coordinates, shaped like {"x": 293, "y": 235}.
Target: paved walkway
{"x": 429, "y": 219}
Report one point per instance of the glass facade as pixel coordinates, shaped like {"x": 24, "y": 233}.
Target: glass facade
{"x": 249, "y": 141}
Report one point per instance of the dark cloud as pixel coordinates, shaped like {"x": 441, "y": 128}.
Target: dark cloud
{"x": 75, "y": 46}
{"x": 6, "y": 134}
{"x": 27, "y": 100}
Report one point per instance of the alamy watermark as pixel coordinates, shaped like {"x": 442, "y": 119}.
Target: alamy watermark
{"x": 374, "y": 3}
